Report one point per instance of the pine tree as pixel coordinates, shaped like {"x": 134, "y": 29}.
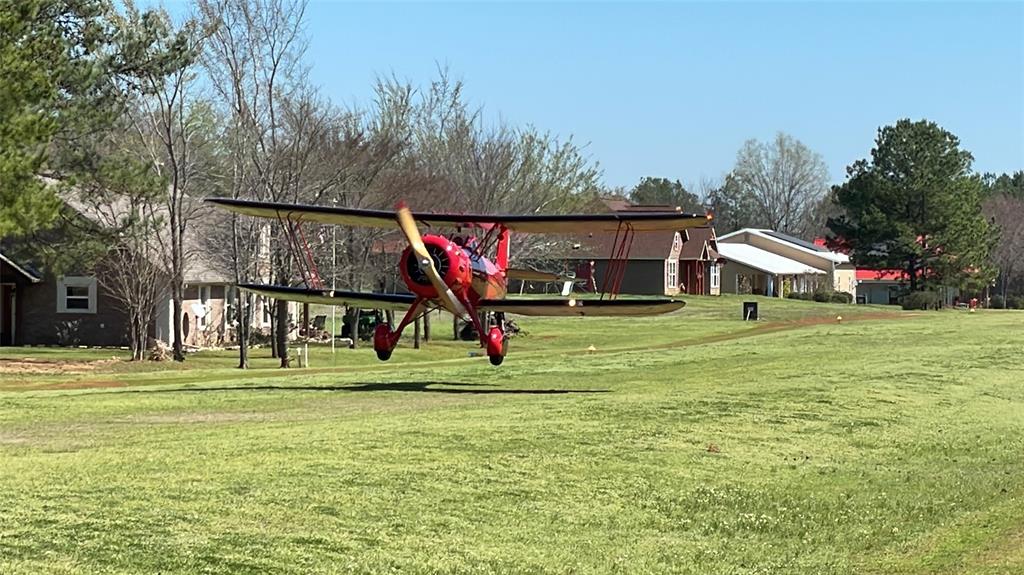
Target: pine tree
{"x": 916, "y": 206}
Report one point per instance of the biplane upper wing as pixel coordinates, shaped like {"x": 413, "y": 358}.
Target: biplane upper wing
{"x": 333, "y": 297}
{"x": 531, "y": 223}
{"x": 581, "y": 307}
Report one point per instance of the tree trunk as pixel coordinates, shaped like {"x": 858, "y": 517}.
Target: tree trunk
{"x": 455, "y": 328}
{"x": 142, "y": 337}
{"x": 273, "y": 328}
{"x": 356, "y": 312}
{"x": 281, "y": 335}
{"x": 179, "y": 346}
{"x": 243, "y": 331}
{"x": 177, "y": 281}
{"x": 426, "y": 327}
{"x": 416, "y": 333}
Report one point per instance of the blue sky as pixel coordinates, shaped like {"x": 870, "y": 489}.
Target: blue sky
{"x": 674, "y": 89}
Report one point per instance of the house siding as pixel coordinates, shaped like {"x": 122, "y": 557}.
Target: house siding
{"x": 642, "y": 277}
{"x": 41, "y": 324}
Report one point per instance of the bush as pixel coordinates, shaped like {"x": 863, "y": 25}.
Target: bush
{"x": 921, "y": 300}
{"x": 841, "y": 297}
{"x": 1015, "y": 302}
{"x": 794, "y": 295}
{"x": 821, "y": 296}
{"x": 997, "y": 302}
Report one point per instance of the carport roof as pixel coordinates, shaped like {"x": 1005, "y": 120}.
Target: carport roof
{"x": 29, "y": 274}
{"x": 763, "y": 260}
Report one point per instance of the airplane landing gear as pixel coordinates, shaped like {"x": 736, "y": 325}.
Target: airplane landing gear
{"x": 497, "y": 341}
{"x": 382, "y": 341}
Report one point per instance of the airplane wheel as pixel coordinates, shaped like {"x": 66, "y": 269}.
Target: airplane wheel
{"x": 496, "y": 346}
{"x": 382, "y": 341}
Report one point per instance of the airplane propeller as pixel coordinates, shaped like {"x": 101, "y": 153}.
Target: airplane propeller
{"x": 412, "y": 235}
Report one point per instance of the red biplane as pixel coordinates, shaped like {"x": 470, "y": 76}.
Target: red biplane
{"x": 454, "y": 271}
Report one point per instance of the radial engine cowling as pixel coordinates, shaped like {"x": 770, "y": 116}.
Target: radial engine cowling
{"x": 450, "y": 260}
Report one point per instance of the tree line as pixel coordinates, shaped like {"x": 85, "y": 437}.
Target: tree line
{"x": 915, "y": 205}
{"x": 133, "y": 118}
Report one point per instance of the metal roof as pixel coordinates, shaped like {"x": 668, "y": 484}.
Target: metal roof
{"x": 763, "y": 260}
{"x": 788, "y": 240}
{"x": 796, "y": 240}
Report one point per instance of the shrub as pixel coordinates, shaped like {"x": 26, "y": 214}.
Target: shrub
{"x": 821, "y": 296}
{"x": 841, "y": 297}
{"x": 1015, "y": 302}
{"x": 921, "y": 300}
{"x": 794, "y": 295}
{"x": 997, "y": 302}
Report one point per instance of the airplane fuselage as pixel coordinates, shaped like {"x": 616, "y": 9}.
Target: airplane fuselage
{"x": 469, "y": 275}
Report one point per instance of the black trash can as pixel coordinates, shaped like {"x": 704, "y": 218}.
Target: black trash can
{"x": 862, "y": 299}
{"x": 750, "y": 311}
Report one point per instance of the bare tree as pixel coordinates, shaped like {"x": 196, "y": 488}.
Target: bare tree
{"x": 131, "y": 275}
{"x": 1007, "y": 212}
{"x": 498, "y": 169}
{"x": 287, "y": 143}
{"x": 115, "y": 199}
{"x": 172, "y": 129}
{"x": 786, "y": 180}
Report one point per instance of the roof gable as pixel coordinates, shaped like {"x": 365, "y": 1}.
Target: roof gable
{"x": 698, "y": 246}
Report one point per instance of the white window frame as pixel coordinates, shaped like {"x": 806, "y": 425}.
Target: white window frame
{"x": 204, "y": 292}
{"x": 671, "y": 274}
{"x": 64, "y": 282}
{"x": 716, "y": 278}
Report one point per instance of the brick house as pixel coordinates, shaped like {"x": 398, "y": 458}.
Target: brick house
{"x": 38, "y": 307}
{"x": 660, "y": 263}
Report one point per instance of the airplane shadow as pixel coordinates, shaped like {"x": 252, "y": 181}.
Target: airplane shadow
{"x": 403, "y": 386}
{"x": 424, "y": 386}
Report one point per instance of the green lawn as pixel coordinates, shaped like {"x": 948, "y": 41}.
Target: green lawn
{"x": 691, "y": 443}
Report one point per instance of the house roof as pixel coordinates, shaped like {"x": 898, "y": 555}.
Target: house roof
{"x": 199, "y": 268}
{"x": 700, "y": 244}
{"x": 755, "y": 257}
{"x": 29, "y": 274}
{"x": 645, "y": 246}
{"x": 863, "y": 274}
{"x": 793, "y": 242}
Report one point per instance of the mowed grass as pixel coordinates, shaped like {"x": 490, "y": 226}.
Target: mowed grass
{"x": 692, "y": 443}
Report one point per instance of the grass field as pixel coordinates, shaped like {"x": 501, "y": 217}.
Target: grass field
{"x": 691, "y": 443}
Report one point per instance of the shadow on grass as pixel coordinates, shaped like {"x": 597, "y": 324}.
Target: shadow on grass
{"x": 424, "y": 386}
{"x": 405, "y": 386}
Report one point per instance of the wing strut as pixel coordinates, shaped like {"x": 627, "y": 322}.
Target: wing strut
{"x": 616, "y": 269}
{"x": 299, "y": 247}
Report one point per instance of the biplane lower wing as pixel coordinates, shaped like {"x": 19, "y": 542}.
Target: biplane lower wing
{"x": 333, "y": 297}
{"x": 581, "y": 307}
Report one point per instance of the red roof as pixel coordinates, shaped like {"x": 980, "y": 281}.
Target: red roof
{"x": 881, "y": 275}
